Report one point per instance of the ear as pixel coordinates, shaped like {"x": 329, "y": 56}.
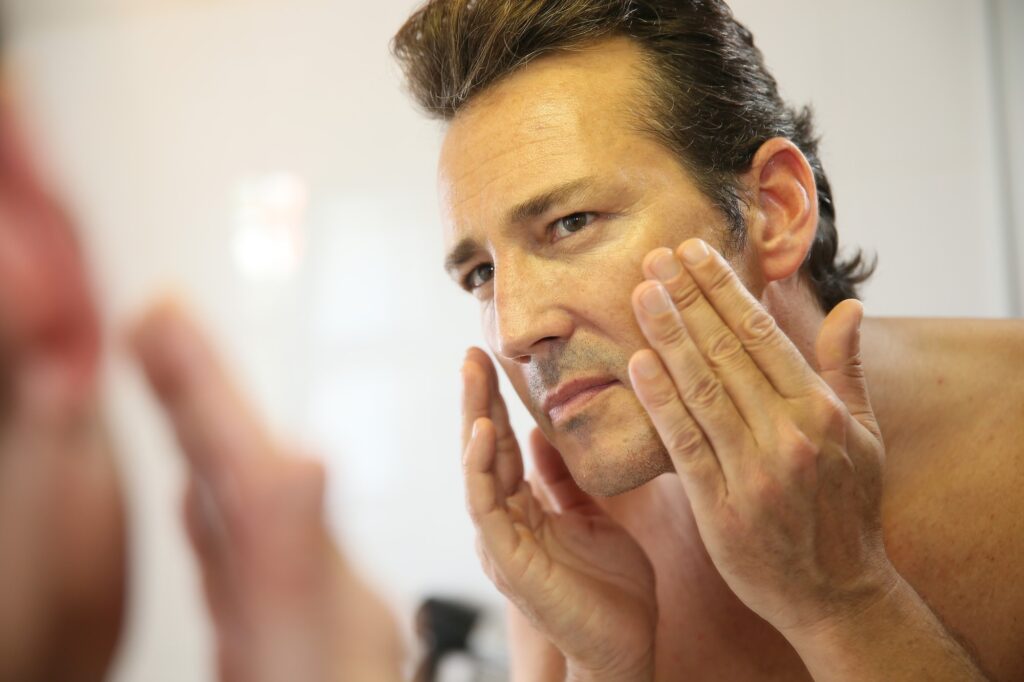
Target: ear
{"x": 783, "y": 217}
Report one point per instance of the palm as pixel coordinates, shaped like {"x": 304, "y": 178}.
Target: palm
{"x": 577, "y": 575}
{"x": 588, "y": 574}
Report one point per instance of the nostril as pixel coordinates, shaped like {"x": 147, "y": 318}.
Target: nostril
{"x": 537, "y": 346}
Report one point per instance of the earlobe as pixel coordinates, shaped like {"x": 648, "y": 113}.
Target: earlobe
{"x": 783, "y": 215}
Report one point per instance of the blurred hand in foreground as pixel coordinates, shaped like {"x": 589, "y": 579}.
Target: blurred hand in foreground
{"x": 285, "y": 603}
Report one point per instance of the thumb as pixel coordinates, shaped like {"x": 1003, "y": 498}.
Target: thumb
{"x": 555, "y": 479}
{"x": 839, "y": 361}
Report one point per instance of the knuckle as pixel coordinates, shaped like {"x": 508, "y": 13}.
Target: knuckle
{"x": 724, "y": 350}
{"x": 830, "y": 414}
{"x": 506, "y": 442}
{"x": 720, "y": 279}
{"x": 661, "y": 398}
{"x": 767, "y": 490}
{"x": 685, "y": 440}
{"x": 686, "y": 294}
{"x": 758, "y": 326}
{"x": 704, "y": 392}
{"x": 854, "y": 368}
{"x": 797, "y": 451}
{"x": 670, "y": 330}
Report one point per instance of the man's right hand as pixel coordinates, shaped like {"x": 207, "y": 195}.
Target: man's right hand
{"x": 578, "y": 576}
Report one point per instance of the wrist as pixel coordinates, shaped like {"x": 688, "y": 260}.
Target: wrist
{"x": 880, "y": 610}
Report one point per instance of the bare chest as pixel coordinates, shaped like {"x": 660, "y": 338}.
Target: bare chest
{"x": 954, "y": 530}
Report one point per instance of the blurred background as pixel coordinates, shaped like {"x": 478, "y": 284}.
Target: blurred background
{"x": 259, "y": 158}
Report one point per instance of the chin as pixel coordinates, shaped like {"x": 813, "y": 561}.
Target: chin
{"x": 605, "y": 464}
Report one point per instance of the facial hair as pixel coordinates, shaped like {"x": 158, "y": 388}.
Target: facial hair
{"x": 547, "y": 371}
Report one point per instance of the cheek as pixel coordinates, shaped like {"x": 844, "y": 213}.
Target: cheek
{"x": 603, "y": 295}
{"x": 517, "y": 376}
{"x": 489, "y": 324}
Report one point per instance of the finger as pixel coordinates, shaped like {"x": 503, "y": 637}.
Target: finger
{"x": 695, "y": 462}
{"x": 701, "y": 391}
{"x": 554, "y": 478}
{"x": 547, "y": 503}
{"x": 209, "y": 545}
{"x": 486, "y": 497}
{"x": 217, "y": 429}
{"x": 749, "y": 389}
{"x": 200, "y": 524}
{"x": 772, "y": 351}
{"x": 489, "y": 403}
{"x": 839, "y": 361}
{"x": 476, "y": 398}
{"x": 482, "y": 398}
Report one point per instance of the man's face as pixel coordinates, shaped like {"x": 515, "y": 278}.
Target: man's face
{"x": 551, "y": 199}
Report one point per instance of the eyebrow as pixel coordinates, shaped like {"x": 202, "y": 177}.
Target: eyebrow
{"x": 520, "y": 213}
{"x": 462, "y": 252}
{"x": 542, "y": 203}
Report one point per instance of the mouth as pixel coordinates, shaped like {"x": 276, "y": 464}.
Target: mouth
{"x": 569, "y": 398}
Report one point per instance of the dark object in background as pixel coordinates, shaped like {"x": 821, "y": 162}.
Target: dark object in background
{"x": 444, "y": 627}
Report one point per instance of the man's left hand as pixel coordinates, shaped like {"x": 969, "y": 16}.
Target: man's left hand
{"x": 782, "y": 462}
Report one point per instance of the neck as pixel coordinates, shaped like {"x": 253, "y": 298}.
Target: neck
{"x": 796, "y": 311}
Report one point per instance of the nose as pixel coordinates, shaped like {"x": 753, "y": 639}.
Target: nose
{"x": 528, "y": 315}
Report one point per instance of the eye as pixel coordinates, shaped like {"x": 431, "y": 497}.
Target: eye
{"x": 563, "y": 227}
{"x": 478, "y": 276}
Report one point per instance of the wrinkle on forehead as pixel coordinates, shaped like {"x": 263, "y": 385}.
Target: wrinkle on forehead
{"x": 561, "y": 115}
{"x": 495, "y": 163}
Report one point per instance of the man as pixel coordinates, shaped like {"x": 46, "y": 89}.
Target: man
{"x": 284, "y": 601}
{"x": 586, "y": 140}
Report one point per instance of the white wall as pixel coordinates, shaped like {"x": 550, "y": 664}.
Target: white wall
{"x": 1007, "y": 40}
{"x": 905, "y": 106}
{"x": 162, "y": 118}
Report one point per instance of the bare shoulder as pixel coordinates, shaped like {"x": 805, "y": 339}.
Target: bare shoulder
{"x": 937, "y": 337}
{"x": 951, "y": 404}
{"x": 936, "y": 374}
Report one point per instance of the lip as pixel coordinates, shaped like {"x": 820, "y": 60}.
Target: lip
{"x": 570, "y": 396}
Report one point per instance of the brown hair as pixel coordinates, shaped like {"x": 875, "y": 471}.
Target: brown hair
{"x": 710, "y": 96}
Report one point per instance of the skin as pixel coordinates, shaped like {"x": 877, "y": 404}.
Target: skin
{"x": 62, "y": 527}
{"x": 285, "y": 602}
{"x": 804, "y": 530}
{"x": 545, "y": 289}
{"x": 61, "y": 564}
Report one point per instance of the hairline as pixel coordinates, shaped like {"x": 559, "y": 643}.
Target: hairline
{"x": 650, "y": 75}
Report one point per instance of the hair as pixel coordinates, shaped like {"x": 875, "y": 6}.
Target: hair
{"x": 708, "y": 95}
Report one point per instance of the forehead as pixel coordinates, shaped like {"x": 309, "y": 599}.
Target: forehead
{"x": 560, "y": 118}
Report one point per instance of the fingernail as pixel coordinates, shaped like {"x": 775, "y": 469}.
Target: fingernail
{"x": 665, "y": 266}
{"x": 476, "y": 429}
{"x": 695, "y": 251}
{"x": 656, "y": 300}
{"x": 645, "y": 366}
